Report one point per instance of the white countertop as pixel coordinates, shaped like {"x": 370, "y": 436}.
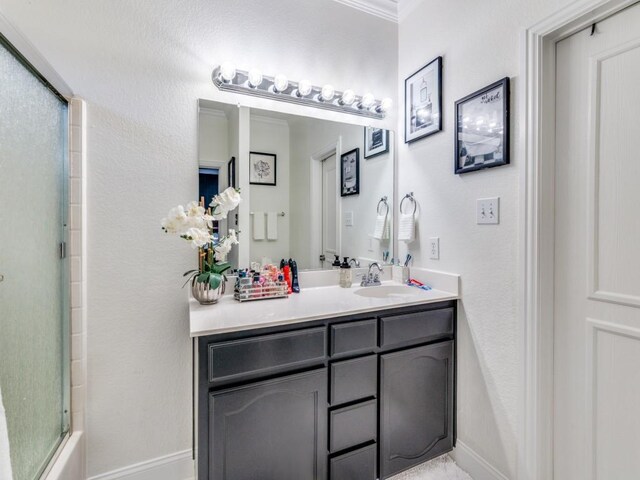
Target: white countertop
{"x": 229, "y": 315}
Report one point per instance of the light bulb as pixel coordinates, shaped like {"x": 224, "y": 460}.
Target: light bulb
{"x": 385, "y": 105}
{"x": 227, "y": 72}
{"x": 255, "y": 78}
{"x": 348, "y": 97}
{"x": 367, "y": 101}
{"x": 327, "y": 93}
{"x": 280, "y": 83}
{"x": 304, "y": 88}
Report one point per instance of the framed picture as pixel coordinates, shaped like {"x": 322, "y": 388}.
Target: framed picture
{"x": 350, "y": 173}
{"x": 262, "y": 168}
{"x": 376, "y": 142}
{"x": 482, "y": 128}
{"x": 423, "y": 102}
{"x": 231, "y": 172}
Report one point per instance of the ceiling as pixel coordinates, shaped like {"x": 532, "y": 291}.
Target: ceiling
{"x": 392, "y": 10}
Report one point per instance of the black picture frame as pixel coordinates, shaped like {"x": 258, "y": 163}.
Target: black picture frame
{"x": 374, "y": 136}
{"x": 267, "y": 178}
{"x": 487, "y": 109}
{"x": 418, "y": 126}
{"x": 231, "y": 172}
{"x": 353, "y": 186}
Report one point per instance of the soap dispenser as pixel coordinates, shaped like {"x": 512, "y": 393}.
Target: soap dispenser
{"x": 336, "y": 263}
{"x": 346, "y": 275}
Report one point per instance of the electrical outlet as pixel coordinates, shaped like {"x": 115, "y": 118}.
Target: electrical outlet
{"x": 348, "y": 219}
{"x": 434, "y": 248}
{"x": 488, "y": 211}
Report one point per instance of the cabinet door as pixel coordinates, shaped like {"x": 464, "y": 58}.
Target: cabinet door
{"x": 270, "y": 430}
{"x": 416, "y": 406}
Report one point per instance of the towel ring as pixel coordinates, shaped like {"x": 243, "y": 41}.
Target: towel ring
{"x": 382, "y": 201}
{"x": 413, "y": 200}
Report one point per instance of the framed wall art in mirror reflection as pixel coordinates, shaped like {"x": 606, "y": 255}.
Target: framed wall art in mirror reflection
{"x": 231, "y": 172}
{"x": 482, "y": 128}
{"x": 423, "y": 102}
{"x": 262, "y": 168}
{"x": 350, "y": 173}
{"x": 376, "y": 142}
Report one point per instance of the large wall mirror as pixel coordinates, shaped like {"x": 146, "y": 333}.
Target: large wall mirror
{"x": 311, "y": 188}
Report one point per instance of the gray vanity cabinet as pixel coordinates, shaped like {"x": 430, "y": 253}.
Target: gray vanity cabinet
{"x": 275, "y": 429}
{"x": 358, "y": 397}
{"x": 416, "y": 406}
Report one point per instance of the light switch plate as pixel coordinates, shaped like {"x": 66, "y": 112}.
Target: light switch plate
{"x": 488, "y": 211}
{"x": 348, "y": 219}
{"x": 434, "y": 248}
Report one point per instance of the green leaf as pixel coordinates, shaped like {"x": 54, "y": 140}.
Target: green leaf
{"x": 214, "y": 280}
{"x": 203, "y": 277}
{"x": 221, "y": 267}
{"x": 195, "y": 273}
{"x": 189, "y": 272}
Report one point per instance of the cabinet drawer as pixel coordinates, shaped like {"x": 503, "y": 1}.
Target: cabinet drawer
{"x": 354, "y": 337}
{"x": 416, "y": 327}
{"x": 352, "y": 425}
{"x": 354, "y": 379}
{"x": 357, "y": 465}
{"x": 265, "y": 353}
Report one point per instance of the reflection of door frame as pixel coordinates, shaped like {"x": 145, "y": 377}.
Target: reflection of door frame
{"x": 537, "y": 179}
{"x": 315, "y": 200}
{"x": 222, "y": 174}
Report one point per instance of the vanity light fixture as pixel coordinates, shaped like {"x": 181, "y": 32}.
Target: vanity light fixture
{"x": 304, "y": 88}
{"x": 252, "y": 82}
{"x": 367, "y": 101}
{"x": 254, "y": 78}
{"x": 227, "y": 72}
{"x": 327, "y": 93}
{"x": 347, "y": 98}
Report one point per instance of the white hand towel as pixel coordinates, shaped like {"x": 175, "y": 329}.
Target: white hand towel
{"x": 5, "y": 458}
{"x": 272, "y": 225}
{"x": 381, "y": 227}
{"x": 406, "y": 227}
{"x": 258, "y": 225}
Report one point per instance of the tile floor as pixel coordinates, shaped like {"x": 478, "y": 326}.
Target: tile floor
{"x": 441, "y": 468}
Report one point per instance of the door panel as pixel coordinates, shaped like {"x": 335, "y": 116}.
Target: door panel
{"x": 416, "y": 406}
{"x": 597, "y": 260}
{"x": 270, "y": 430}
{"x": 33, "y": 323}
{"x": 329, "y": 210}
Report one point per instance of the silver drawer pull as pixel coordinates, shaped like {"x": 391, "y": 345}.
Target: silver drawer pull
{"x": 1, "y": 278}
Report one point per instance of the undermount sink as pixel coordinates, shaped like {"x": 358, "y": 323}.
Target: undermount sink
{"x": 389, "y": 291}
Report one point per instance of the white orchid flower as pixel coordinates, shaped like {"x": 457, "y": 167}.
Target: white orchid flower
{"x": 199, "y": 237}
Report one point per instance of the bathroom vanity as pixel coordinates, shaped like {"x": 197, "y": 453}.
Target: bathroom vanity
{"x": 328, "y": 384}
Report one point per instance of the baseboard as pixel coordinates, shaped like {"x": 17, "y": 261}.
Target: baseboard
{"x": 476, "y": 466}
{"x": 176, "y": 466}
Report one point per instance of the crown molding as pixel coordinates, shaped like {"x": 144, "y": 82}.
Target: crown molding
{"x": 405, "y": 7}
{"x": 386, "y": 9}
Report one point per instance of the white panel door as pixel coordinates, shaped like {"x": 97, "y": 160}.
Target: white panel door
{"x": 597, "y": 253}
{"x": 329, "y": 210}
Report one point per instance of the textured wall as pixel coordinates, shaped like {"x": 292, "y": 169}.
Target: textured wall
{"x": 480, "y": 43}
{"x": 141, "y": 66}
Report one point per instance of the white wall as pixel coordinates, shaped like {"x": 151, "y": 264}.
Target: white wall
{"x": 480, "y": 43}
{"x": 270, "y": 135}
{"x": 141, "y": 66}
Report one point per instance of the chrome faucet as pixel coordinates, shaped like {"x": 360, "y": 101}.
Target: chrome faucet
{"x": 355, "y": 262}
{"x": 371, "y": 279}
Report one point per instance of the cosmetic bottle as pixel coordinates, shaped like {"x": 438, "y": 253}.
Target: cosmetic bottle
{"x": 287, "y": 277}
{"x": 346, "y": 275}
{"x": 295, "y": 286}
{"x": 336, "y": 263}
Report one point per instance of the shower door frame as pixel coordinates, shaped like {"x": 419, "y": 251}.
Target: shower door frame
{"x": 26, "y": 54}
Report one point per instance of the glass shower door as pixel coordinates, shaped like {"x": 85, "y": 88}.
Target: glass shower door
{"x": 34, "y": 367}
